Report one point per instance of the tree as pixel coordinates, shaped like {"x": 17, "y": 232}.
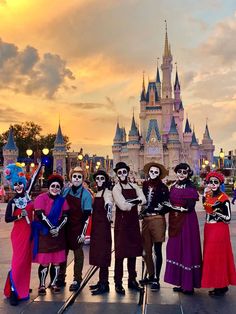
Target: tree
{"x": 28, "y": 135}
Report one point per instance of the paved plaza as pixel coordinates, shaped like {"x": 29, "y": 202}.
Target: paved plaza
{"x": 164, "y": 301}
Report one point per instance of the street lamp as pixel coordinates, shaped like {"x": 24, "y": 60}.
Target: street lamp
{"x": 221, "y": 155}
{"x": 213, "y": 166}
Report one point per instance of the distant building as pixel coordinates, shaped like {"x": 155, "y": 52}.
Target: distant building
{"x": 160, "y": 135}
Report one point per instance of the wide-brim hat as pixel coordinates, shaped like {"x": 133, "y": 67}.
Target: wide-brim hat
{"x": 121, "y": 165}
{"x": 101, "y": 173}
{"x": 163, "y": 171}
{"x": 76, "y": 169}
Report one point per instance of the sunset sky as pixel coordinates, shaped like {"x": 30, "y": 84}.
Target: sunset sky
{"x": 82, "y": 61}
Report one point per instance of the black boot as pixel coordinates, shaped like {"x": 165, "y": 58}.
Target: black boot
{"x": 13, "y": 299}
{"x": 102, "y": 288}
{"x": 94, "y": 287}
{"x": 133, "y": 284}
{"x": 119, "y": 288}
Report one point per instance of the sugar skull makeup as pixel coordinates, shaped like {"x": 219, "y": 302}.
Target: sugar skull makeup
{"x": 154, "y": 172}
{"x": 77, "y": 179}
{"x": 100, "y": 180}
{"x": 54, "y": 188}
{"x": 122, "y": 174}
{"x": 182, "y": 174}
{"x": 214, "y": 184}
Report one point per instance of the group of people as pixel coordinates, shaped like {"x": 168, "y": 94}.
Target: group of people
{"x": 56, "y": 221}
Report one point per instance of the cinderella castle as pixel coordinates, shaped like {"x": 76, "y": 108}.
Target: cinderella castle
{"x": 163, "y": 135}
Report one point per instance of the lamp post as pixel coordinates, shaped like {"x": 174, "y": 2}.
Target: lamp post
{"x": 221, "y": 156}
{"x": 98, "y": 164}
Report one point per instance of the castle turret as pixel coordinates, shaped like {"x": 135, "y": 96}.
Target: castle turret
{"x": 10, "y": 150}
{"x": 59, "y": 153}
{"x": 117, "y": 144}
{"x": 133, "y": 146}
{"x": 173, "y": 145}
{"x": 195, "y": 154}
{"x": 177, "y": 99}
{"x": 158, "y": 81}
{"x": 207, "y": 146}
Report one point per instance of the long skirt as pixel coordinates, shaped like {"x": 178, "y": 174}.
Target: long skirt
{"x": 19, "y": 276}
{"x": 218, "y": 260}
{"x": 183, "y": 255}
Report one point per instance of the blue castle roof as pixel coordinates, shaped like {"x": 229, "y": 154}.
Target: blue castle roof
{"x": 173, "y": 129}
{"x": 187, "y": 127}
{"x": 153, "y": 126}
{"x": 10, "y": 145}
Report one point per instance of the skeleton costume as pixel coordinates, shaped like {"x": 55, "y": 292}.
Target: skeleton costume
{"x": 80, "y": 203}
{"x": 100, "y": 243}
{"x": 49, "y": 232}
{"x": 19, "y": 210}
{"x": 154, "y": 223}
{"x": 218, "y": 260}
{"x": 183, "y": 251}
{"x": 128, "y": 242}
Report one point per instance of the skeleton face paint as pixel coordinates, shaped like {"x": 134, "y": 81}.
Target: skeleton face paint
{"x": 100, "y": 180}
{"x": 54, "y": 188}
{"x": 77, "y": 179}
{"x": 154, "y": 172}
{"x": 214, "y": 184}
{"x": 122, "y": 174}
{"x": 18, "y": 187}
{"x": 182, "y": 174}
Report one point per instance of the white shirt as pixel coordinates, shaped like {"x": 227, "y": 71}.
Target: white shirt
{"x": 119, "y": 199}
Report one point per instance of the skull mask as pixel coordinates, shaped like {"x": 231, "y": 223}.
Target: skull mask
{"x": 77, "y": 179}
{"x": 19, "y": 187}
{"x": 182, "y": 174}
{"x": 154, "y": 172}
{"x": 122, "y": 175}
{"x": 214, "y": 184}
{"x": 100, "y": 181}
{"x": 54, "y": 188}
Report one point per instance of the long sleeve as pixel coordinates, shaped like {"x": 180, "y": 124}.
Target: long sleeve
{"x": 140, "y": 194}
{"x": 9, "y": 214}
{"x": 224, "y": 212}
{"x": 119, "y": 198}
{"x": 108, "y": 197}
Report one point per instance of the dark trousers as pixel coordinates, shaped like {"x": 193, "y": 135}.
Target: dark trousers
{"x": 131, "y": 263}
{"x": 103, "y": 274}
{"x": 78, "y": 265}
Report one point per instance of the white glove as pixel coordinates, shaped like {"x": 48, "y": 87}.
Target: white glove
{"x": 109, "y": 212}
{"x": 54, "y": 232}
{"x": 81, "y": 238}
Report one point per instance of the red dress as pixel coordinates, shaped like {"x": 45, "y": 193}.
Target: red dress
{"x": 218, "y": 260}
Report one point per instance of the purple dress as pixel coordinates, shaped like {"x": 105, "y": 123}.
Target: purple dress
{"x": 183, "y": 252}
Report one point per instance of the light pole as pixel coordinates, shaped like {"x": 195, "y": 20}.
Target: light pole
{"x": 221, "y": 156}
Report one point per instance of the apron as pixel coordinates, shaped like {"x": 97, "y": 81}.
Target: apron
{"x": 128, "y": 242}
{"x": 100, "y": 239}
{"x": 75, "y": 224}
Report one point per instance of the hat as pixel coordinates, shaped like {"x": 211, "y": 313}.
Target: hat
{"x": 101, "y": 173}
{"x": 56, "y": 178}
{"x": 76, "y": 169}
{"x": 163, "y": 171}
{"x": 185, "y": 166}
{"x": 217, "y": 175}
{"x": 121, "y": 165}
{"x": 14, "y": 173}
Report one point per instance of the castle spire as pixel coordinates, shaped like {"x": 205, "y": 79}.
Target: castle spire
{"x": 143, "y": 93}
{"x": 158, "y": 74}
{"x": 207, "y": 133}
{"x": 166, "y": 47}
{"x": 10, "y": 145}
{"x": 176, "y": 85}
{"x": 187, "y": 127}
{"x": 59, "y": 138}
